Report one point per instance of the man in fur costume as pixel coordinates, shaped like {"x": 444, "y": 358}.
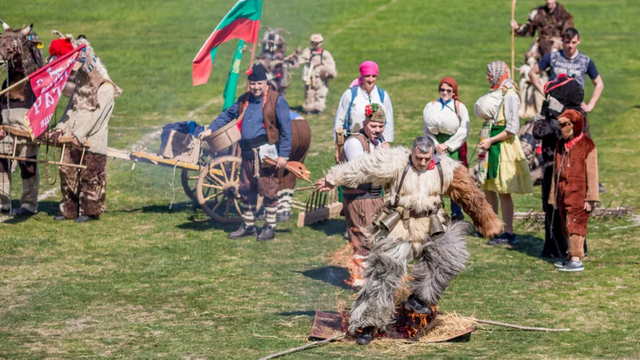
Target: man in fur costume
{"x": 413, "y": 225}
{"x": 547, "y": 23}
{"x": 86, "y": 118}
{"x": 319, "y": 68}
{"x": 265, "y": 131}
{"x": 19, "y": 49}
{"x": 363, "y": 202}
{"x": 574, "y": 188}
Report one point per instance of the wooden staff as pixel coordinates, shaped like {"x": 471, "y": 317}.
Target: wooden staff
{"x": 253, "y": 52}
{"x": 513, "y": 36}
{"x": 14, "y": 85}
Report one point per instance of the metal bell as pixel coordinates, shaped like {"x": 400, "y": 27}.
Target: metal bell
{"x": 435, "y": 226}
{"x": 390, "y": 221}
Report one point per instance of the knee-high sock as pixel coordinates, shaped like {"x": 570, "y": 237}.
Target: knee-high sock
{"x": 248, "y": 214}
{"x": 440, "y": 261}
{"x": 270, "y": 216}
{"x": 285, "y": 198}
{"x": 384, "y": 267}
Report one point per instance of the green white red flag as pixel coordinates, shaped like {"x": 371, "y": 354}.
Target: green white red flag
{"x": 242, "y": 22}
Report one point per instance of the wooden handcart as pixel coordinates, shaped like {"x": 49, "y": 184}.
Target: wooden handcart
{"x": 212, "y": 181}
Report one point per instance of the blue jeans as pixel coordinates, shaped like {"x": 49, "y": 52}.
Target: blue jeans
{"x": 456, "y": 210}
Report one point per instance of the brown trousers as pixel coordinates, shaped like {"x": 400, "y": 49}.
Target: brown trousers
{"x": 300, "y": 142}
{"x": 360, "y": 213}
{"x": 265, "y": 185}
{"x": 576, "y": 245}
{"x": 83, "y": 190}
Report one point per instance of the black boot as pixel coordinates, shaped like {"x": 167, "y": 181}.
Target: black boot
{"x": 416, "y": 306}
{"x": 243, "y": 231}
{"x": 366, "y": 336}
{"x": 85, "y": 218}
{"x": 267, "y": 233}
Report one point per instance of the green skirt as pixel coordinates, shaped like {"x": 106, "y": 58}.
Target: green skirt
{"x": 494, "y": 153}
{"x": 442, "y": 138}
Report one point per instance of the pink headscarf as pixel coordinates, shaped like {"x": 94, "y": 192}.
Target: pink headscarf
{"x": 366, "y": 68}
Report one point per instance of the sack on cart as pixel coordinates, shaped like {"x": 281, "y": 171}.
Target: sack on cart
{"x": 179, "y": 142}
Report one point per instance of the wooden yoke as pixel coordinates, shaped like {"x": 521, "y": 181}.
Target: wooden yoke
{"x": 62, "y": 142}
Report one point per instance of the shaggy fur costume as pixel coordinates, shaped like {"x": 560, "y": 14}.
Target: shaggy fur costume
{"x": 440, "y": 259}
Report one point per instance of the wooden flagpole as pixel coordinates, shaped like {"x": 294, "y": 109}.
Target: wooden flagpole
{"x": 513, "y": 35}
{"x": 253, "y": 49}
{"x": 14, "y": 85}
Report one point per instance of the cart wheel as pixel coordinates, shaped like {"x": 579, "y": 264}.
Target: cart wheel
{"x": 217, "y": 189}
{"x": 189, "y": 181}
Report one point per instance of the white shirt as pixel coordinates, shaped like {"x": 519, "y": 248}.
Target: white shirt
{"x": 353, "y": 148}
{"x": 439, "y": 120}
{"x": 357, "y": 111}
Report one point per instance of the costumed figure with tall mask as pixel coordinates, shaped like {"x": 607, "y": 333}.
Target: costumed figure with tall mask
{"x": 86, "y": 118}
{"x": 274, "y": 60}
{"x": 20, "y": 52}
{"x": 412, "y": 224}
{"x": 546, "y": 24}
{"x": 562, "y": 94}
{"x": 265, "y": 127}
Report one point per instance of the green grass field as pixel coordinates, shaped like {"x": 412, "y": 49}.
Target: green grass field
{"x": 148, "y": 282}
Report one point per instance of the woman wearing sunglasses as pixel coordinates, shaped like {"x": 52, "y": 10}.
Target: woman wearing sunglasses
{"x": 446, "y": 121}
{"x": 503, "y": 168}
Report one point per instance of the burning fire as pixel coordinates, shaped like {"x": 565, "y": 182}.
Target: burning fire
{"x": 356, "y": 270}
{"x": 407, "y": 325}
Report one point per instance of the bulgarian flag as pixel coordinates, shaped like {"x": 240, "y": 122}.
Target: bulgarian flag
{"x": 242, "y": 22}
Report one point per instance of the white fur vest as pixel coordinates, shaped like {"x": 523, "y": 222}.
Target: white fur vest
{"x": 421, "y": 190}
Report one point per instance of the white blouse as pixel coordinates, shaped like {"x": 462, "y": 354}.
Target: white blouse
{"x": 443, "y": 120}
{"x": 357, "y": 111}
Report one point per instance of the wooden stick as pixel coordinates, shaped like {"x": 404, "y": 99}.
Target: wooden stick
{"x": 305, "y": 188}
{"x": 305, "y": 346}
{"x": 42, "y": 161}
{"x": 14, "y": 85}
{"x": 513, "y": 41}
{"x": 525, "y": 328}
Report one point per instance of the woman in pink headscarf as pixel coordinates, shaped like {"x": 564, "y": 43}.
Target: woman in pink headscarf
{"x": 363, "y": 91}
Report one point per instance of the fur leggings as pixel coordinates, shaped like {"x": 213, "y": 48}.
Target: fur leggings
{"x": 439, "y": 261}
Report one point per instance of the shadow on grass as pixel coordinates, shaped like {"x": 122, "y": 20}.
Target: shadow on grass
{"x": 332, "y": 275}
{"x": 331, "y": 227}
{"x": 299, "y": 313}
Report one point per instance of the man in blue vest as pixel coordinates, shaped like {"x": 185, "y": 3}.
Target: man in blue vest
{"x": 266, "y": 131}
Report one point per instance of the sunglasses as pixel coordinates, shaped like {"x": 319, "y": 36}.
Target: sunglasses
{"x": 446, "y": 90}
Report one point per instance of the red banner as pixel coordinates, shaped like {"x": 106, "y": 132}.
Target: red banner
{"x": 47, "y": 84}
